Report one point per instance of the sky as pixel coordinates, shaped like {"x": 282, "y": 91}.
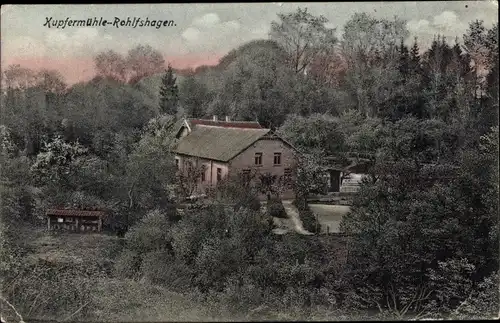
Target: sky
{"x": 201, "y": 33}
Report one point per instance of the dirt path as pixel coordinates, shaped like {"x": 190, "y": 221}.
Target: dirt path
{"x": 293, "y": 215}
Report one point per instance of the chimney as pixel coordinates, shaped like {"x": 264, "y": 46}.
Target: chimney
{"x": 214, "y": 118}
{"x": 228, "y": 119}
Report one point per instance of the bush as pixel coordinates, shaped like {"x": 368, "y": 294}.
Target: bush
{"x": 248, "y": 201}
{"x": 307, "y": 216}
{"x": 238, "y": 191}
{"x": 154, "y": 266}
{"x": 276, "y": 209}
{"x": 149, "y": 238}
{"x": 151, "y": 233}
{"x": 127, "y": 264}
{"x": 482, "y": 303}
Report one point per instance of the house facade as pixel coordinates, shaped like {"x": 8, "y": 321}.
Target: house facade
{"x": 223, "y": 148}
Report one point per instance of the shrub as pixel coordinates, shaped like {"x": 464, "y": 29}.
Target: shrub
{"x": 307, "y": 216}
{"x": 154, "y": 266}
{"x": 150, "y": 233}
{"x": 127, "y": 264}
{"x": 482, "y": 302}
{"x": 276, "y": 209}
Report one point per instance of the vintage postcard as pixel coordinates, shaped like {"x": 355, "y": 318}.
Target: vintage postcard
{"x": 249, "y": 161}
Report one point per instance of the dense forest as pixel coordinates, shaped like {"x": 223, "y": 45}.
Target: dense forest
{"x": 423, "y": 227}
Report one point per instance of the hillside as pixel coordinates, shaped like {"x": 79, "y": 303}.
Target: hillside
{"x": 85, "y": 286}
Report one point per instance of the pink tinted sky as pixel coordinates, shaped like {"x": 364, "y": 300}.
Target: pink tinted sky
{"x": 82, "y": 69}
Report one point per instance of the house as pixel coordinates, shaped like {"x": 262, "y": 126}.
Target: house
{"x": 230, "y": 147}
{"x": 75, "y": 220}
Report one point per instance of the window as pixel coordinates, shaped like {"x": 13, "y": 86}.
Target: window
{"x": 219, "y": 174}
{"x": 277, "y": 158}
{"x": 288, "y": 177}
{"x": 258, "y": 158}
{"x": 203, "y": 171}
{"x": 177, "y": 163}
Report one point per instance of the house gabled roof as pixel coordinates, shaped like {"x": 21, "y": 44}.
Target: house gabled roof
{"x": 217, "y": 142}
{"x": 221, "y": 140}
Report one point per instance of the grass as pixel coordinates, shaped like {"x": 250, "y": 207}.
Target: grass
{"x": 329, "y": 215}
{"x": 65, "y": 247}
{"x": 106, "y": 298}
{"x": 102, "y": 297}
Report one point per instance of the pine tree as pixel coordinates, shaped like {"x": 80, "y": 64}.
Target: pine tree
{"x": 169, "y": 93}
{"x": 415, "y": 57}
{"x": 404, "y": 59}
{"x": 194, "y": 97}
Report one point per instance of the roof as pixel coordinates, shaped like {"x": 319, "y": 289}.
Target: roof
{"x": 230, "y": 124}
{"x": 221, "y": 143}
{"x": 77, "y": 213}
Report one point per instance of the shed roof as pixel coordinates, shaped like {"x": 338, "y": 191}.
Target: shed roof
{"x": 220, "y": 143}
{"x": 75, "y": 213}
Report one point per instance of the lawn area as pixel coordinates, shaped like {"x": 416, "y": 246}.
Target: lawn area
{"x": 101, "y": 297}
{"x": 70, "y": 276}
{"x": 65, "y": 247}
{"x": 329, "y": 216}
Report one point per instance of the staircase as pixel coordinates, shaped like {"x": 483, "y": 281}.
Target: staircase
{"x": 351, "y": 185}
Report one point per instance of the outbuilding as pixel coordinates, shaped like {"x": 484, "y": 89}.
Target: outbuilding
{"x": 75, "y": 220}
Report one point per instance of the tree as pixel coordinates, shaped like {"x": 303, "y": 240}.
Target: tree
{"x": 188, "y": 178}
{"x": 169, "y": 93}
{"x": 150, "y": 173}
{"x": 475, "y": 42}
{"x": 17, "y": 77}
{"x": 193, "y": 97}
{"x": 370, "y": 48}
{"x": 318, "y": 132}
{"x": 415, "y": 57}
{"x": 70, "y": 175}
{"x": 14, "y": 185}
{"x": 57, "y": 162}
{"x": 238, "y": 189}
{"x": 329, "y": 69}
{"x": 303, "y": 36}
{"x": 51, "y": 81}
{"x": 482, "y": 46}
{"x": 99, "y": 109}
{"x": 398, "y": 250}
{"x": 404, "y": 59}
{"x": 143, "y": 61}
{"x": 218, "y": 243}
{"x": 490, "y": 114}
{"x": 24, "y": 107}
{"x": 256, "y": 84}
{"x": 111, "y": 64}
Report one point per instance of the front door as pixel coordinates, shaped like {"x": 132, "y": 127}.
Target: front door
{"x": 334, "y": 181}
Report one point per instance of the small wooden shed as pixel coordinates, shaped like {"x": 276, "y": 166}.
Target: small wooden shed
{"x": 75, "y": 220}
